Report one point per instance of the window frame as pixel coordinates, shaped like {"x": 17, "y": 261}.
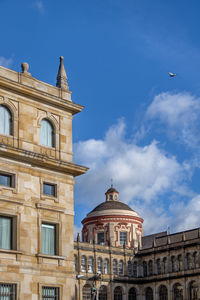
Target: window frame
{"x": 53, "y": 136}
{"x": 106, "y": 266}
{"x": 121, "y": 240}
{"x": 84, "y": 266}
{"x": 121, "y": 267}
{"x": 135, "y": 269}
{"x": 13, "y": 293}
{"x": 54, "y": 195}
{"x": 103, "y": 234}
{"x": 11, "y": 121}
{"x": 90, "y": 264}
{"x": 99, "y": 265}
{"x": 115, "y": 267}
{"x": 13, "y": 232}
{"x": 12, "y": 180}
{"x": 56, "y": 238}
{"x": 56, "y": 288}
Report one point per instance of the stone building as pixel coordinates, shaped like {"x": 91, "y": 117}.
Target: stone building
{"x": 38, "y": 257}
{"x": 36, "y": 187}
{"x": 115, "y": 262}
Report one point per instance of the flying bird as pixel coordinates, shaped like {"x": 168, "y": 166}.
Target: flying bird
{"x": 171, "y": 74}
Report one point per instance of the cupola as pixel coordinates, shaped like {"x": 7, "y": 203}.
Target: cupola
{"x": 112, "y": 194}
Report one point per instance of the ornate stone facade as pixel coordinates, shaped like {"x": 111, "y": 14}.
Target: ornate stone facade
{"x": 36, "y": 188}
{"x": 162, "y": 267}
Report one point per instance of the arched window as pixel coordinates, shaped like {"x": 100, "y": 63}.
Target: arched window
{"x": 5, "y": 120}
{"x": 114, "y": 267}
{"x": 163, "y": 294}
{"x": 90, "y": 264}
{"x": 132, "y": 295}
{"x": 75, "y": 263}
{"x": 193, "y": 291}
{"x": 83, "y": 263}
{"x": 172, "y": 264}
{"x": 129, "y": 268}
{"x": 121, "y": 268}
{"x": 106, "y": 266}
{"x": 86, "y": 292}
{"x": 158, "y": 266}
{"x": 150, "y": 267}
{"x": 135, "y": 269}
{"x": 118, "y": 293}
{"x": 148, "y": 294}
{"x": 99, "y": 265}
{"x": 103, "y": 292}
{"x": 47, "y": 133}
{"x": 178, "y": 292}
{"x": 164, "y": 265}
{"x": 144, "y": 269}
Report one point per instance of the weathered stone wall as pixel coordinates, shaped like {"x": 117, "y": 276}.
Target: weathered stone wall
{"x": 31, "y": 164}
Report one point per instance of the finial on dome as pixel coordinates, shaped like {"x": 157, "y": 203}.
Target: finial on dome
{"x": 111, "y": 183}
{"x": 62, "y": 76}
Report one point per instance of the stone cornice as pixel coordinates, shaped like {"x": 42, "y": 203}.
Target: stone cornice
{"x": 40, "y": 160}
{"x": 113, "y": 218}
{"x": 38, "y": 90}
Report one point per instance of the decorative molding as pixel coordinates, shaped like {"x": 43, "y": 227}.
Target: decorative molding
{"x": 50, "y": 207}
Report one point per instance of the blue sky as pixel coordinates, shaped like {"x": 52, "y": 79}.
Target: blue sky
{"x": 139, "y": 126}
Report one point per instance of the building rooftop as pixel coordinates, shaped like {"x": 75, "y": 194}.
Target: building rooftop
{"x": 112, "y": 205}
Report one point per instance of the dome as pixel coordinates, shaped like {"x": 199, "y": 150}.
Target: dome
{"x": 111, "y": 190}
{"x": 112, "y": 222}
{"x": 111, "y": 205}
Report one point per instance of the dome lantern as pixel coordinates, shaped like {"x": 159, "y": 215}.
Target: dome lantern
{"x": 112, "y": 194}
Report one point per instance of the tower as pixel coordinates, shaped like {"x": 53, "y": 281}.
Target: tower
{"x": 36, "y": 186}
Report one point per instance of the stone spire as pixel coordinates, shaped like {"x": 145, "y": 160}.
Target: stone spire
{"x": 62, "y": 76}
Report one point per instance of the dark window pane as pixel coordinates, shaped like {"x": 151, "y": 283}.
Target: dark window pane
{"x": 100, "y": 238}
{"x": 49, "y": 189}
{"x": 5, "y": 180}
{"x": 123, "y": 237}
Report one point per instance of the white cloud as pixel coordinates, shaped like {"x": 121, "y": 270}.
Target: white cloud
{"x": 5, "y": 62}
{"x": 143, "y": 175}
{"x": 180, "y": 111}
{"x": 186, "y": 216}
{"x": 40, "y": 6}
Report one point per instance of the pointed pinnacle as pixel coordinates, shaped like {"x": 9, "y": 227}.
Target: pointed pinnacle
{"x": 62, "y": 76}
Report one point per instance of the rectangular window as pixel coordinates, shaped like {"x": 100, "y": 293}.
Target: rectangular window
{"x": 50, "y": 293}
{"x": 49, "y": 239}
{"x": 49, "y": 189}
{"x": 100, "y": 238}
{"x": 6, "y": 180}
{"x": 5, "y": 233}
{"x": 8, "y": 291}
{"x": 123, "y": 237}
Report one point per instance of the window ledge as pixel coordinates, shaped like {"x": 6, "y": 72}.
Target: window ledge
{"x": 11, "y": 251}
{"x": 48, "y": 197}
{"x": 51, "y": 256}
